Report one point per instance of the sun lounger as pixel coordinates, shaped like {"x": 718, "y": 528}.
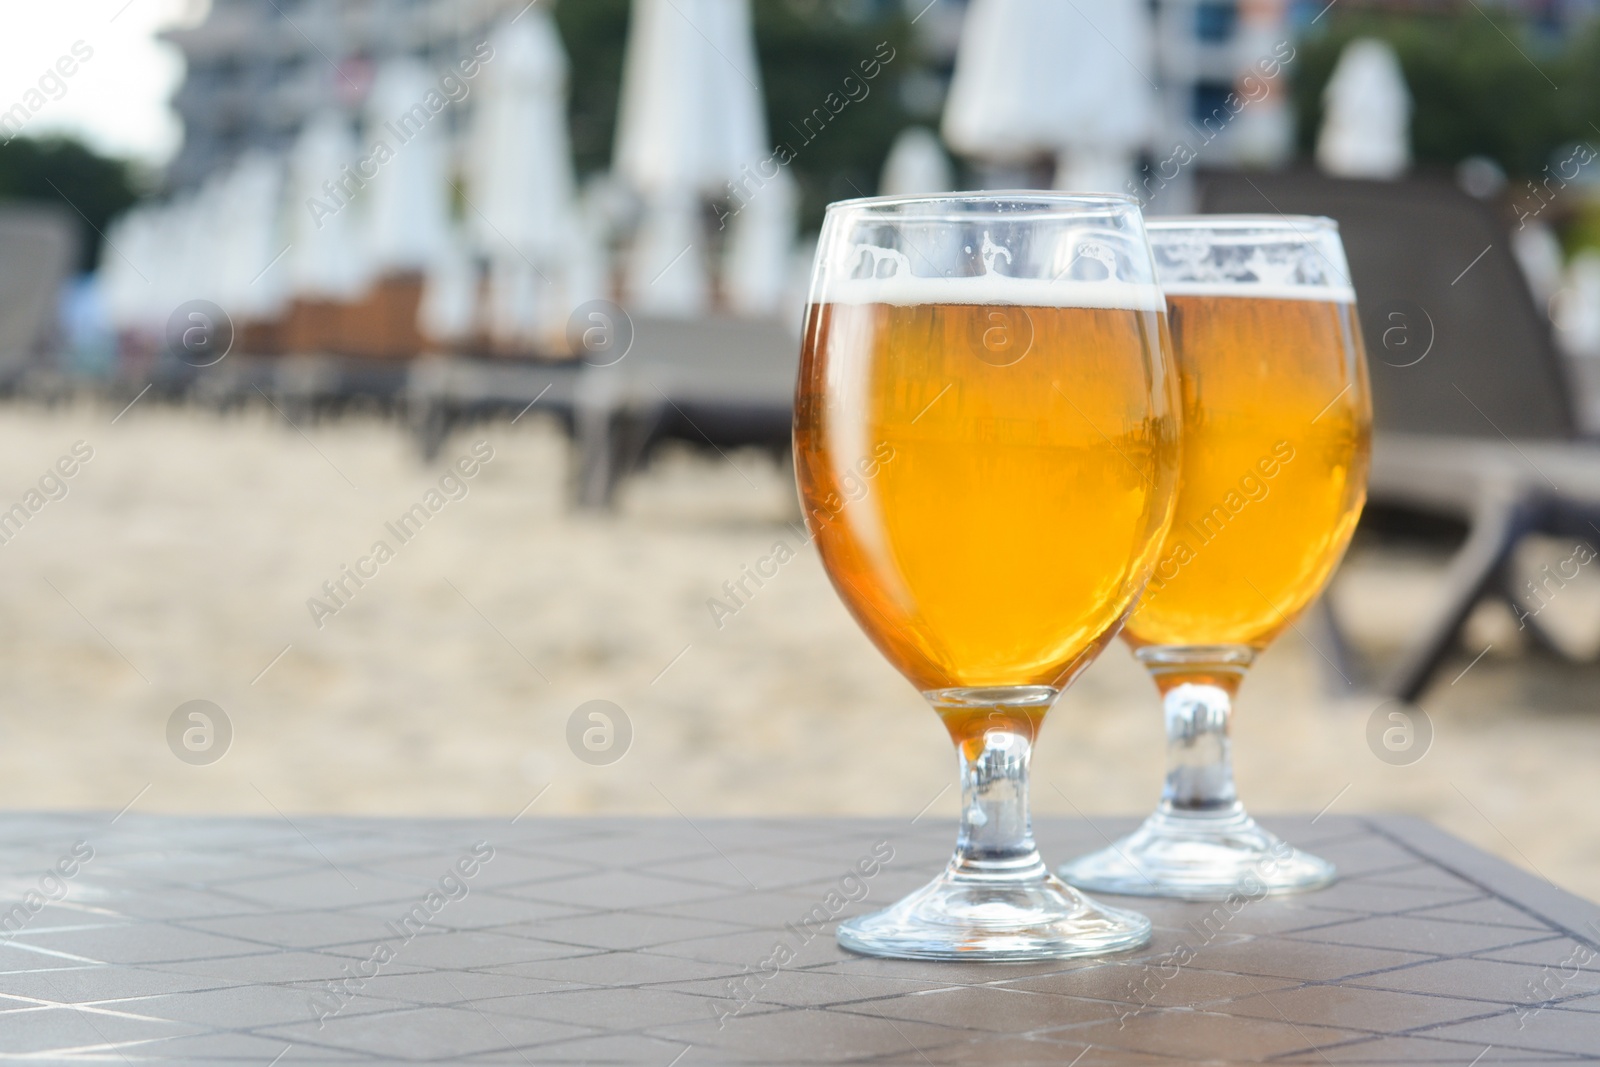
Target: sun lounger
{"x": 718, "y": 383}
{"x": 37, "y": 244}
{"x": 1475, "y": 420}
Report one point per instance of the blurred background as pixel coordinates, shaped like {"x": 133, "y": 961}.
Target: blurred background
{"x": 513, "y": 291}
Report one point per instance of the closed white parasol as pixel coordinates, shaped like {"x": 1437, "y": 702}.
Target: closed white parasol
{"x": 522, "y": 212}
{"x": 325, "y": 258}
{"x": 917, "y": 165}
{"x": 760, "y": 249}
{"x": 691, "y": 120}
{"x": 1366, "y": 131}
{"x": 519, "y": 163}
{"x": 691, "y": 112}
{"x": 251, "y": 279}
{"x": 409, "y": 196}
{"x": 1073, "y": 79}
{"x": 130, "y": 292}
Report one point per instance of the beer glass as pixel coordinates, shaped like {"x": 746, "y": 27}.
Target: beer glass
{"x": 986, "y": 443}
{"x": 1276, "y": 438}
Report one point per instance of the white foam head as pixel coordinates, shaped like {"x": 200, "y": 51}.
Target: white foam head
{"x": 1327, "y": 294}
{"x": 991, "y": 289}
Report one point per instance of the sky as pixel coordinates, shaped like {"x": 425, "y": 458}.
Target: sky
{"x": 117, "y": 99}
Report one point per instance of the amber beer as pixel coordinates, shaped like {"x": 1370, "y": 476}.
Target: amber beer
{"x": 1276, "y": 442}
{"x": 988, "y": 484}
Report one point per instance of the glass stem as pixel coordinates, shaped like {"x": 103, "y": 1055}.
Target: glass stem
{"x": 994, "y": 731}
{"x": 1197, "y": 686}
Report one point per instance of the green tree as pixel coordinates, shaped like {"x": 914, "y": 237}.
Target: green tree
{"x": 92, "y": 188}
{"x": 1480, "y": 85}
{"x": 595, "y": 33}
{"x": 1580, "y": 86}
{"x": 808, "y": 49}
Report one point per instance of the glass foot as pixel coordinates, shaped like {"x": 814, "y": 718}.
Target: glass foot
{"x": 1199, "y": 857}
{"x": 958, "y": 917}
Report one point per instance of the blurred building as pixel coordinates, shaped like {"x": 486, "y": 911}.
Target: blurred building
{"x": 1213, "y": 53}
{"x": 1556, "y": 17}
{"x": 256, "y": 69}
{"x": 1205, "y": 47}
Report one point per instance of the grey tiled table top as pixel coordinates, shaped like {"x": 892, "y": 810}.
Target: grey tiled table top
{"x": 654, "y": 942}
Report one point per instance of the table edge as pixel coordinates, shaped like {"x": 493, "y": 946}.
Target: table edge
{"x": 1544, "y": 900}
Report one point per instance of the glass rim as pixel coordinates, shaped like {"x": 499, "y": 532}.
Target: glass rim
{"x": 1081, "y": 202}
{"x": 1269, "y": 222}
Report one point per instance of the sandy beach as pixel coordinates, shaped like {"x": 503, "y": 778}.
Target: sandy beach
{"x": 179, "y": 563}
